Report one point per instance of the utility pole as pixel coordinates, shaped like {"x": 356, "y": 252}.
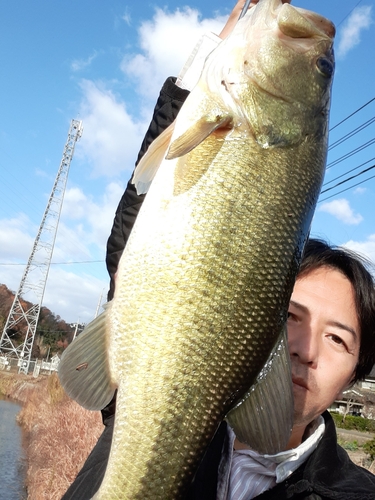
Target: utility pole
{"x": 35, "y": 275}
{"x": 99, "y": 304}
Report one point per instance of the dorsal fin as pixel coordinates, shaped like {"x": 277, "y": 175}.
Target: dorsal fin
{"x": 150, "y": 163}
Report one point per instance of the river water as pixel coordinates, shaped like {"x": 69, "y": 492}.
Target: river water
{"x": 12, "y": 465}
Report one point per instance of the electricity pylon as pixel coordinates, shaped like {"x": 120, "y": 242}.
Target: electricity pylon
{"x": 34, "y": 279}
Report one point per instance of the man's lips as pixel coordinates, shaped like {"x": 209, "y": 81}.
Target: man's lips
{"x": 299, "y": 381}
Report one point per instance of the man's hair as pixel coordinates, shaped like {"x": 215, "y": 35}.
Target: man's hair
{"x": 317, "y": 254}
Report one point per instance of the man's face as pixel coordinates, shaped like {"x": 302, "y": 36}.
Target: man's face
{"x": 324, "y": 341}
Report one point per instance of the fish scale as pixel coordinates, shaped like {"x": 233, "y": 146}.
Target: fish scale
{"x": 196, "y": 330}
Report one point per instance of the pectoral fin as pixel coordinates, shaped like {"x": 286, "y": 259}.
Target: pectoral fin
{"x": 263, "y": 419}
{"x": 197, "y": 133}
{"x": 84, "y": 369}
{"x": 150, "y": 163}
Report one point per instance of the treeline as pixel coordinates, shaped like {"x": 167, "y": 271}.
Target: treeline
{"x": 53, "y": 334}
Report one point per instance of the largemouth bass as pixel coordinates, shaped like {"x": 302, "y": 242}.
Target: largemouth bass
{"x": 205, "y": 280}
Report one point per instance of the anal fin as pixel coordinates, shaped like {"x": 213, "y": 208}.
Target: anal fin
{"x": 263, "y": 419}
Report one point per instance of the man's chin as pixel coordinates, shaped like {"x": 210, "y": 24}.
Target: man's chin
{"x": 303, "y": 417}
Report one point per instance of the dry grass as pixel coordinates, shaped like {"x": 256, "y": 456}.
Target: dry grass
{"x": 59, "y": 434}
{"x": 16, "y": 386}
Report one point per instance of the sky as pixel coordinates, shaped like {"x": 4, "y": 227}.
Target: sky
{"x": 104, "y": 63}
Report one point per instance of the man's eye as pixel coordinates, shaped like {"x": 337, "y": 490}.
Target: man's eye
{"x": 338, "y": 340}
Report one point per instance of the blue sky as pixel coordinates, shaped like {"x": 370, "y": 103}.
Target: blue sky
{"x": 103, "y": 63}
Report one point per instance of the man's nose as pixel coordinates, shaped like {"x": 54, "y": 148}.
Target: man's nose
{"x": 304, "y": 346}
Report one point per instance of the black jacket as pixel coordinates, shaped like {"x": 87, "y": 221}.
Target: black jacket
{"x": 327, "y": 474}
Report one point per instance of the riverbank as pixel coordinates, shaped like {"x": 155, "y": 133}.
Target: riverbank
{"x": 58, "y": 433}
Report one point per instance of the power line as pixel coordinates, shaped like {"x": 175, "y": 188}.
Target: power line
{"x": 348, "y": 179}
{"x": 356, "y": 5}
{"x": 351, "y": 153}
{"x": 352, "y": 114}
{"x": 350, "y": 187}
{"x": 348, "y": 172}
{"x": 352, "y": 133}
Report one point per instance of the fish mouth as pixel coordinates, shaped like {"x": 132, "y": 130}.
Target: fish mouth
{"x": 296, "y": 22}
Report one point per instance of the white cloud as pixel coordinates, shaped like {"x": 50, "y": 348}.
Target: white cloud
{"x": 84, "y": 227}
{"x": 111, "y": 137}
{"x": 127, "y": 17}
{"x": 74, "y": 203}
{"x": 15, "y": 244}
{"x": 350, "y": 35}
{"x": 68, "y": 294}
{"x": 41, "y": 173}
{"x": 166, "y": 42}
{"x": 90, "y": 221}
{"x": 72, "y": 243}
{"x": 73, "y": 296}
{"x": 359, "y": 190}
{"x": 101, "y": 214}
{"x": 342, "y": 211}
{"x": 15, "y": 239}
{"x": 80, "y": 64}
{"x": 366, "y": 247}
{"x": 72, "y": 291}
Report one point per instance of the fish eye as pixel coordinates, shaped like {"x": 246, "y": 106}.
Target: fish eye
{"x": 324, "y": 66}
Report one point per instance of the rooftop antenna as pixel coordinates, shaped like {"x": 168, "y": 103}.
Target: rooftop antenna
{"x": 34, "y": 279}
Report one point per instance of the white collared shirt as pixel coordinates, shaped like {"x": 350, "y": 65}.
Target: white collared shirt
{"x": 252, "y": 473}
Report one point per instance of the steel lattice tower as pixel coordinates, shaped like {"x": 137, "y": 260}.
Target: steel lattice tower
{"x": 35, "y": 275}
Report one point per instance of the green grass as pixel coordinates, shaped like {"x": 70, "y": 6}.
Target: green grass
{"x": 354, "y": 423}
